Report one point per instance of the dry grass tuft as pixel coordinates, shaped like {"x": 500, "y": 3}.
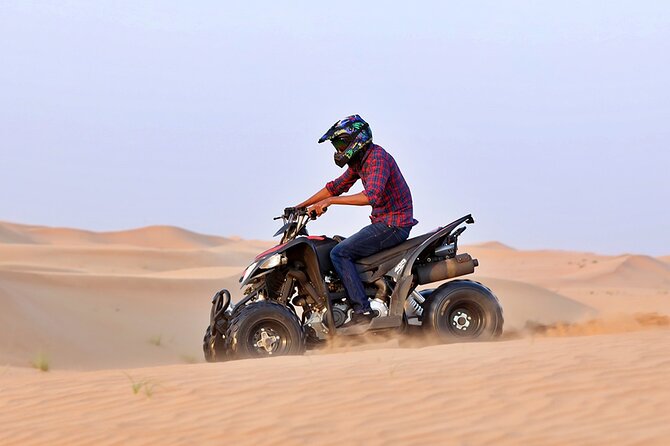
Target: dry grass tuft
{"x": 138, "y": 386}
{"x": 156, "y": 340}
{"x": 41, "y": 362}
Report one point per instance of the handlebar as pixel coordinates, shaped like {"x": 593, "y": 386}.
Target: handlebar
{"x": 297, "y": 212}
{"x": 288, "y": 212}
{"x": 295, "y": 222}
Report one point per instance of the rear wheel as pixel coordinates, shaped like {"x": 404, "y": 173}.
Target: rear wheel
{"x": 265, "y": 329}
{"x": 461, "y": 311}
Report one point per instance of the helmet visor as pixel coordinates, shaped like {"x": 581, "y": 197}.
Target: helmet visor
{"x": 340, "y": 144}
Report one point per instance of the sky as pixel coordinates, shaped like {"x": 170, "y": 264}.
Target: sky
{"x": 548, "y": 121}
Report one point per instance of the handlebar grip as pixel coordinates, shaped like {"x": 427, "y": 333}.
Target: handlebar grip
{"x": 312, "y": 213}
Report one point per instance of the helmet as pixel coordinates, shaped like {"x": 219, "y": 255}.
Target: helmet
{"x": 350, "y": 136}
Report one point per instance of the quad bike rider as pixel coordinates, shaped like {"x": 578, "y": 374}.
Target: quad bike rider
{"x": 385, "y": 190}
{"x": 305, "y": 290}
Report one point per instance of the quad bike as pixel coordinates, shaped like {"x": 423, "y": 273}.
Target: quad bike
{"x": 293, "y": 298}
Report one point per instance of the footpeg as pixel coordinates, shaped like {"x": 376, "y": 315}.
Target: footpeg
{"x": 385, "y": 322}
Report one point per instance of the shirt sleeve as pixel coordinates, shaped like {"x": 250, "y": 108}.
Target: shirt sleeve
{"x": 343, "y": 183}
{"x": 379, "y": 172}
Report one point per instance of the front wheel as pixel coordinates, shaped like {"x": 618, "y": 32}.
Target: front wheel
{"x": 463, "y": 310}
{"x": 213, "y": 346}
{"x": 265, "y": 329}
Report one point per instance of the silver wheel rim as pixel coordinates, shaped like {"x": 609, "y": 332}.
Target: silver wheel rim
{"x": 266, "y": 340}
{"x": 461, "y": 320}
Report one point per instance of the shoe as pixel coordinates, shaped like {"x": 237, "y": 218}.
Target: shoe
{"x": 360, "y": 320}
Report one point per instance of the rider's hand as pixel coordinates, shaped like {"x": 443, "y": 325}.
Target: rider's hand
{"x": 319, "y": 207}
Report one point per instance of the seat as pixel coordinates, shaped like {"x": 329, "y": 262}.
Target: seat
{"x": 380, "y": 257}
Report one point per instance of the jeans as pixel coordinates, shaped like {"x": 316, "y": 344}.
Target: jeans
{"x": 369, "y": 240}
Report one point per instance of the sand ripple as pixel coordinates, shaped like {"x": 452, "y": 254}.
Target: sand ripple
{"x": 586, "y": 390}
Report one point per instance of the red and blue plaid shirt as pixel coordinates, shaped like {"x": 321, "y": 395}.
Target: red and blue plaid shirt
{"x": 384, "y": 185}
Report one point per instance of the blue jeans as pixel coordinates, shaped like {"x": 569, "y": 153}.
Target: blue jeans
{"x": 369, "y": 240}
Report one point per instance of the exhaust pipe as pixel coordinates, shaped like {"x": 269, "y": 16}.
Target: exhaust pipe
{"x": 446, "y": 269}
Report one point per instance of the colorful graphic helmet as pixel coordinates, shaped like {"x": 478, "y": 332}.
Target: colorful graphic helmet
{"x": 350, "y": 136}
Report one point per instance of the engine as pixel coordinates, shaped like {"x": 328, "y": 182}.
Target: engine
{"x": 377, "y": 294}
{"x": 315, "y": 320}
{"x": 341, "y": 312}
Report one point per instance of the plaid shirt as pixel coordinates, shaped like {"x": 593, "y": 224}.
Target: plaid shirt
{"x": 384, "y": 185}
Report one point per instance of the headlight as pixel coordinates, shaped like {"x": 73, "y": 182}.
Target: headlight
{"x": 272, "y": 261}
{"x": 248, "y": 271}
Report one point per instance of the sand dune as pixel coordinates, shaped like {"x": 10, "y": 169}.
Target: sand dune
{"x": 524, "y": 303}
{"x": 151, "y": 236}
{"x": 626, "y": 271}
{"x": 564, "y": 269}
{"x": 114, "y": 259}
{"x": 87, "y": 321}
{"x": 583, "y": 357}
{"x": 538, "y": 267}
{"x": 9, "y": 235}
{"x": 495, "y": 245}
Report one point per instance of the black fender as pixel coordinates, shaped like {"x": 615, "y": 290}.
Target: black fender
{"x": 402, "y": 273}
{"x": 312, "y": 251}
{"x": 298, "y": 244}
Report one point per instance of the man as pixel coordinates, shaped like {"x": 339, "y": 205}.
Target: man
{"x": 385, "y": 190}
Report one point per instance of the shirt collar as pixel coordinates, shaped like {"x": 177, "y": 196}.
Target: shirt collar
{"x": 358, "y": 164}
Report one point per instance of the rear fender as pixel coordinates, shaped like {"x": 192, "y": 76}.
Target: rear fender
{"x": 402, "y": 273}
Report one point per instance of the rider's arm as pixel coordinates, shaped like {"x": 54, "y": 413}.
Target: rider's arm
{"x": 343, "y": 183}
{"x": 320, "y": 195}
{"x": 336, "y": 187}
{"x": 379, "y": 172}
{"x": 359, "y": 199}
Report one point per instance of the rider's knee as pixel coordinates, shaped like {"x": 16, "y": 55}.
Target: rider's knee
{"x": 335, "y": 253}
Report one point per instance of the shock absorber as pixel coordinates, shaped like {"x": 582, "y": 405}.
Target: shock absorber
{"x": 415, "y": 303}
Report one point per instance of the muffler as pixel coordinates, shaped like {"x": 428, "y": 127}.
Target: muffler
{"x": 446, "y": 269}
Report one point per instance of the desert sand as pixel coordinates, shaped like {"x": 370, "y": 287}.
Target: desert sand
{"x": 118, "y": 319}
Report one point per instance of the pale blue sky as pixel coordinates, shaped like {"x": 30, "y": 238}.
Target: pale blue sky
{"x": 549, "y": 121}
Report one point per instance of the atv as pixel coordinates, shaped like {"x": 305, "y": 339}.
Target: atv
{"x": 294, "y": 300}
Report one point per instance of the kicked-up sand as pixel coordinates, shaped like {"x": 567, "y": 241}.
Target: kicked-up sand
{"x": 117, "y": 319}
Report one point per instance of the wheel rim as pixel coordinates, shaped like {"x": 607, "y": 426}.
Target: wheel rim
{"x": 269, "y": 338}
{"x": 465, "y": 320}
